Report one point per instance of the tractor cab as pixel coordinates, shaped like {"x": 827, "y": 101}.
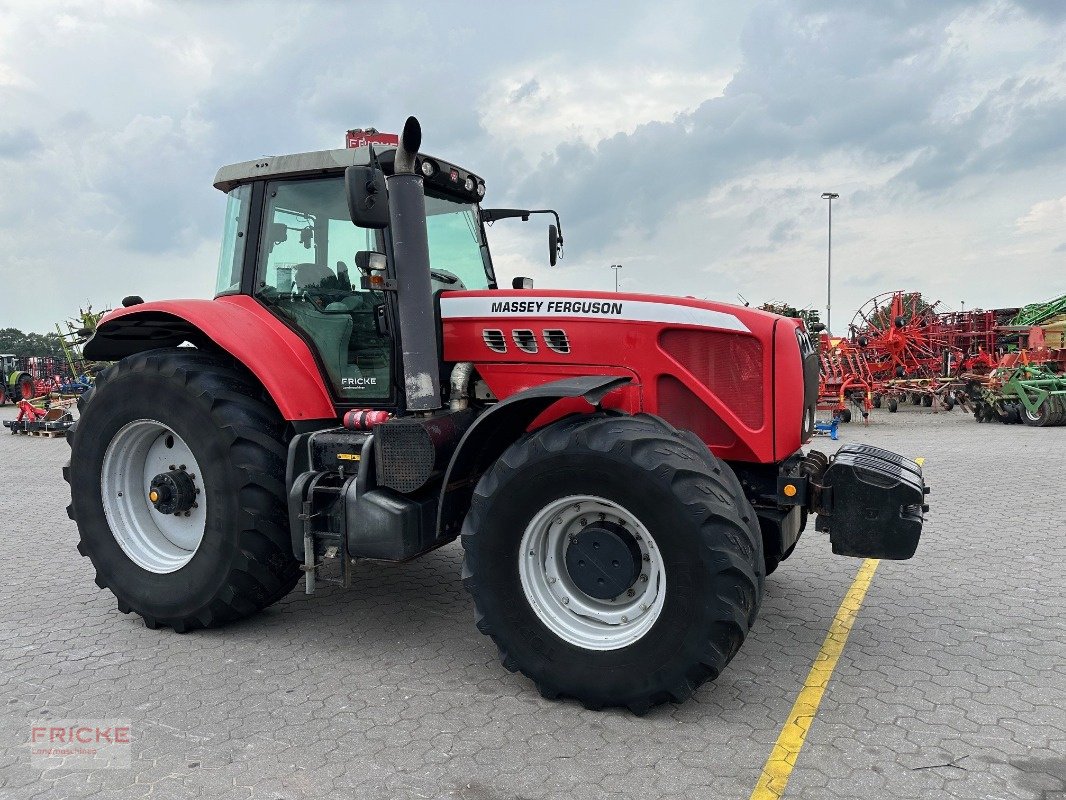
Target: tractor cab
{"x": 289, "y": 241}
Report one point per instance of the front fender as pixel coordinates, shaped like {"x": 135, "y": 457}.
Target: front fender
{"x": 237, "y": 324}
{"x": 498, "y": 428}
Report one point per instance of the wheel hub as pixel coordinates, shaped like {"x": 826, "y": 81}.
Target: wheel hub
{"x": 172, "y": 492}
{"x": 566, "y": 595}
{"x": 603, "y": 560}
{"x": 154, "y": 496}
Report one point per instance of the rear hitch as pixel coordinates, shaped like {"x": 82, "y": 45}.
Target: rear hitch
{"x": 871, "y": 501}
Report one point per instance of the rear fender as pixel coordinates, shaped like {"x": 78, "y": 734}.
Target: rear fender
{"x": 236, "y": 324}
{"x": 498, "y": 428}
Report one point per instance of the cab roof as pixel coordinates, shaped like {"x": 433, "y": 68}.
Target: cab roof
{"x": 321, "y": 162}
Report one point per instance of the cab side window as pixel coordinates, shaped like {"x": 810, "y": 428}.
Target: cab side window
{"x": 306, "y": 272}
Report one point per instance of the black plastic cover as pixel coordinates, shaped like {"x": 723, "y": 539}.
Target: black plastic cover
{"x": 872, "y": 503}
{"x": 385, "y": 525}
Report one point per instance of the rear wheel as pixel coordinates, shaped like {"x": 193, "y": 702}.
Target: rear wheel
{"x": 927, "y": 400}
{"x": 26, "y": 390}
{"x": 614, "y": 560}
{"x": 3, "y": 393}
{"x": 845, "y": 415}
{"x": 893, "y": 405}
{"x": 1046, "y": 414}
{"x": 177, "y": 479}
{"x": 876, "y": 401}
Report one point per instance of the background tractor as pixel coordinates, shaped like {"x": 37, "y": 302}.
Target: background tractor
{"x": 15, "y": 383}
{"x": 623, "y": 470}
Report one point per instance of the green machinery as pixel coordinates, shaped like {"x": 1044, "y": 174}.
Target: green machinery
{"x": 1036, "y": 313}
{"x": 1029, "y": 393}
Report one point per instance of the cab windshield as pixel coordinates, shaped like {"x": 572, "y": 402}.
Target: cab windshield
{"x": 455, "y": 242}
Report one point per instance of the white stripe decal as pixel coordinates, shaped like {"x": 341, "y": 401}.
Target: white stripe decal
{"x": 587, "y": 308}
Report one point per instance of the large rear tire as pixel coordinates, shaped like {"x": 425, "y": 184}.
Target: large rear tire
{"x": 25, "y": 387}
{"x": 228, "y": 553}
{"x": 682, "y": 514}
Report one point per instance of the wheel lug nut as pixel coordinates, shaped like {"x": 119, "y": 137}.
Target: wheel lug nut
{"x": 625, "y": 619}
{"x": 647, "y": 556}
{"x": 643, "y": 607}
{"x": 566, "y": 601}
{"x": 172, "y": 467}
{"x": 551, "y": 579}
{"x": 558, "y": 520}
{"x": 630, "y": 593}
{"x": 644, "y": 578}
{"x": 182, "y": 467}
{"x": 584, "y": 522}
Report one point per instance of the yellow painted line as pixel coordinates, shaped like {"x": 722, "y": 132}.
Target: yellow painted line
{"x": 782, "y": 760}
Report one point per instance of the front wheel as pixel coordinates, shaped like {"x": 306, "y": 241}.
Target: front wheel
{"x": 613, "y": 559}
{"x": 177, "y": 477}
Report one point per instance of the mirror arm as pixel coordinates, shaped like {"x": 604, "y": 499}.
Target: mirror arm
{"x": 493, "y": 214}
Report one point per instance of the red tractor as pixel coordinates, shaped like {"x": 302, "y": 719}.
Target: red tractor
{"x": 623, "y": 470}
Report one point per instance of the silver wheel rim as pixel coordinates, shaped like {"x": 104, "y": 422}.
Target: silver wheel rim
{"x": 154, "y": 541}
{"x": 568, "y": 612}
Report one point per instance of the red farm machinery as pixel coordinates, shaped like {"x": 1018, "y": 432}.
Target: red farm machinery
{"x": 623, "y": 470}
{"x": 1005, "y": 363}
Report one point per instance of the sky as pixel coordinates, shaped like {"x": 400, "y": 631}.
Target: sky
{"x": 688, "y": 141}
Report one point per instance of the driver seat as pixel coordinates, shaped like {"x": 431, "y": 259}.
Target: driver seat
{"x": 309, "y": 276}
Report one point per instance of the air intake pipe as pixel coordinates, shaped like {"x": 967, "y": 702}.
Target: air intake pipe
{"x": 410, "y": 247}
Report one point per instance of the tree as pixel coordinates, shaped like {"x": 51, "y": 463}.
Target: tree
{"x": 24, "y": 345}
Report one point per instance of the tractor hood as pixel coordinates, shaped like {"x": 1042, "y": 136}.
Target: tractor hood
{"x": 733, "y": 375}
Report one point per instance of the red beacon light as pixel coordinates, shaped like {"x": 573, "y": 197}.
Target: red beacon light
{"x": 361, "y": 137}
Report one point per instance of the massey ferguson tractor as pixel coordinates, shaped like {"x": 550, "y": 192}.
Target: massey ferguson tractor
{"x": 623, "y": 470}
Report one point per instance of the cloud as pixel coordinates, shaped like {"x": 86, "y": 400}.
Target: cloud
{"x": 689, "y": 141}
{"x": 18, "y": 143}
{"x": 1048, "y": 215}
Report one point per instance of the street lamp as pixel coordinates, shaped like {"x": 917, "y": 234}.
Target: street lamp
{"x": 830, "y": 196}
{"x": 616, "y": 267}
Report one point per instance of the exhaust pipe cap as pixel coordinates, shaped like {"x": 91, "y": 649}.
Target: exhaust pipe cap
{"x": 410, "y": 141}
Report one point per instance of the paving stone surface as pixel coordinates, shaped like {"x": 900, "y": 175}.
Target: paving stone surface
{"x": 952, "y": 684}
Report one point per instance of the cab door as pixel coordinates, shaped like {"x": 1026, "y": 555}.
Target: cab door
{"x": 306, "y": 274}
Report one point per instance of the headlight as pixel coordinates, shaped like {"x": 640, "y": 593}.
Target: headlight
{"x": 468, "y": 184}
{"x": 428, "y": 168}
{"x": 481, "y": 190}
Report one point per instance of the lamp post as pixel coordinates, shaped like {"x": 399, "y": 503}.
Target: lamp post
{"x": 616, "y": 267}
{"x": 830, "y": 196}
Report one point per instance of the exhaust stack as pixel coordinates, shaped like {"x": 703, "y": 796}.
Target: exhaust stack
{"x": 418, "y": 327}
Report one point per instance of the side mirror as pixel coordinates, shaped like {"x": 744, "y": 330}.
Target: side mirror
{"x": 522, "y": 283}
{"x": 368, "y": 199}
{"x": 553, "y": 244}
